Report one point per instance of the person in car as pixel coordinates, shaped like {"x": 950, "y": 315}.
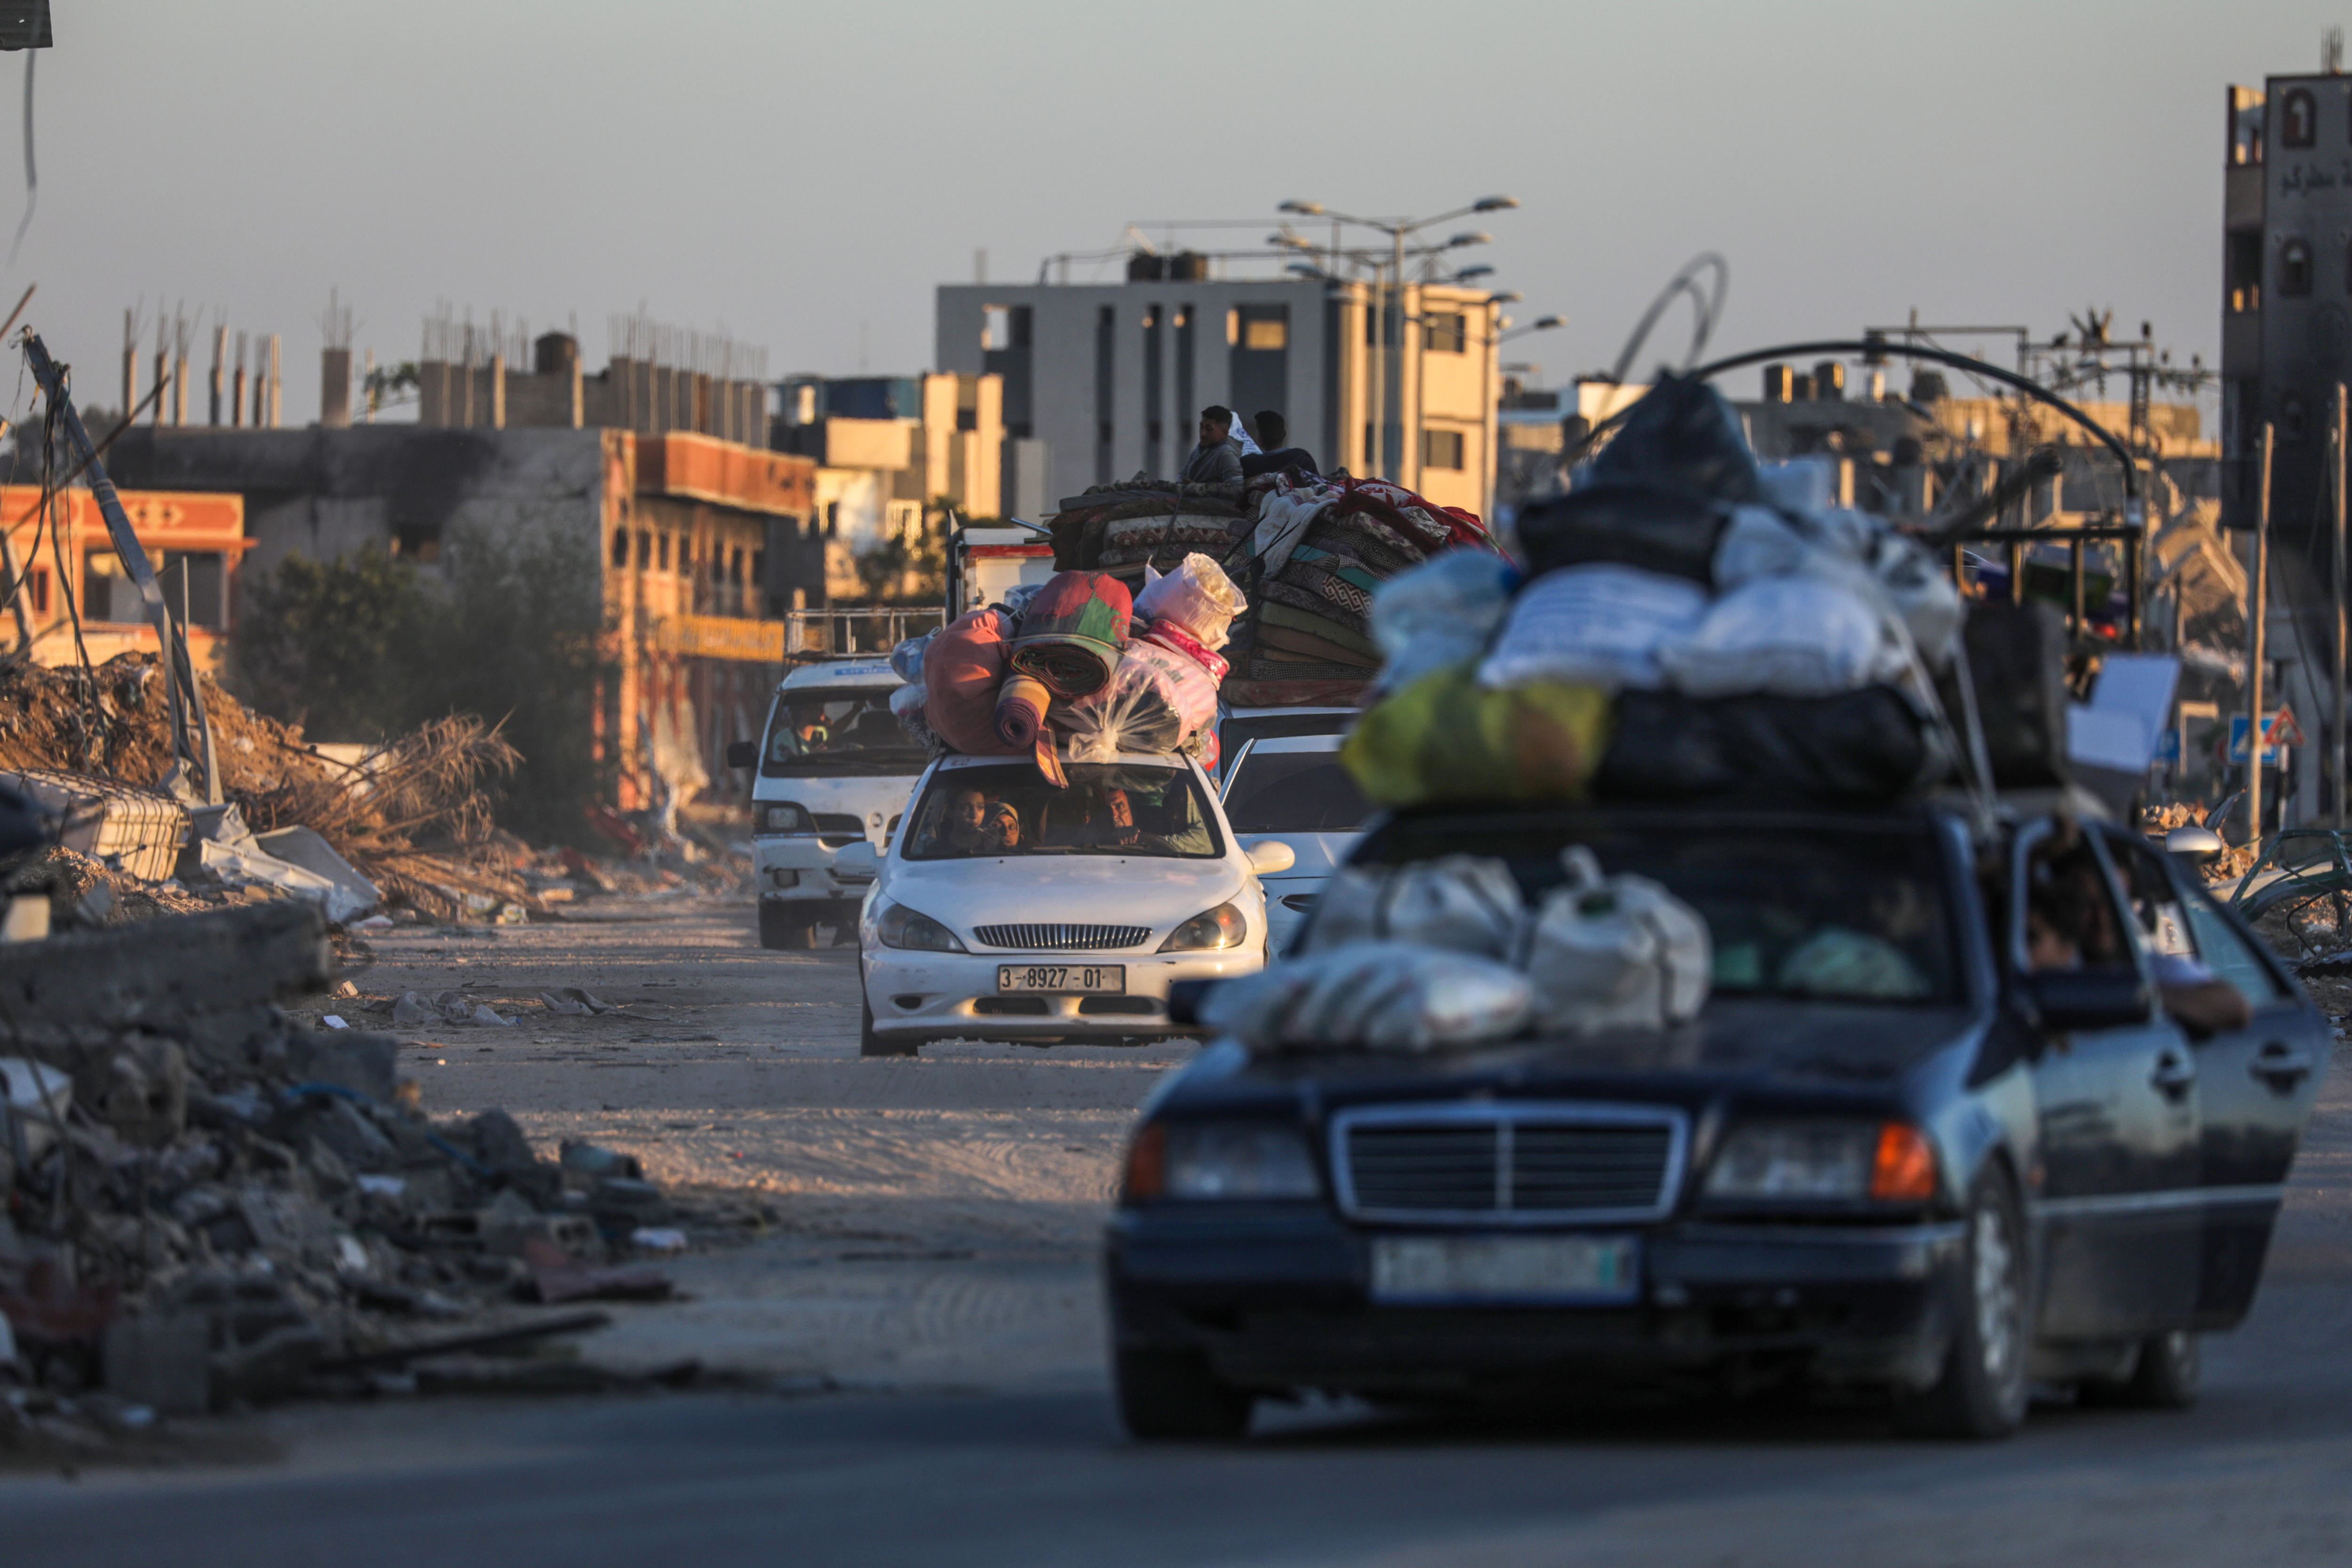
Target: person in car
{"x": 976, "y": 825}
{"x": 1090, "y": 817}
{"x": 2070, "y": 924}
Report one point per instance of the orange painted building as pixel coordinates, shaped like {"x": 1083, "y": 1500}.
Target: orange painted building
{"x": 193, "y": 540}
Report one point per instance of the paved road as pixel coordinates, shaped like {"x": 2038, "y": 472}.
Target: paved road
{"x": 2260, "y": 1474}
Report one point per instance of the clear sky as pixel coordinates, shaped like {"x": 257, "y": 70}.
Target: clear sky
{"x": 804, "y": 173}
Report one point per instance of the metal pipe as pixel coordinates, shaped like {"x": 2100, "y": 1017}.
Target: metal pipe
{"x": 2257, "y": 606}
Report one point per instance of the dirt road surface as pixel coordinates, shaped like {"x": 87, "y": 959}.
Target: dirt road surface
{"x": 925, "y": 1314}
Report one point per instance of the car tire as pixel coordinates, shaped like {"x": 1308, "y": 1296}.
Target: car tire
{"x": 1172, "y": 1396}
{"x": 781, "y": 925}
{"x": 870, "y": 1044}
{"x": 1982, "y": 1393}
{"x": 2165, "y": 1377}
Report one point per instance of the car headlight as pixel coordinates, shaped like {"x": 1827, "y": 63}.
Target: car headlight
{"x": 1219, "y": 928}
{"x": 1892, "y": 1163}
{"x": 903, "y": 927}
{"x": 1215, "y": 1160}
{"x": 784, "y": 816}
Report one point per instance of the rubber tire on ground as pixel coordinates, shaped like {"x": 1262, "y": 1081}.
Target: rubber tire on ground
{"x": 870, "y": 1044}
{"x": 1973, "y": 1399}
{"x": 1172, "y": 1396}
{"x": 2165, "y": 1377}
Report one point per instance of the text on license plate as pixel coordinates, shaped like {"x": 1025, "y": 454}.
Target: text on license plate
{"x": 1505, "y": 1267}
{"x": 1110, "y": 977}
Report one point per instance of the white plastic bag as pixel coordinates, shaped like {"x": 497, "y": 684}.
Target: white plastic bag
{"x": 1791, "y": 636}
{"x": 1460, "y": 903}
{"x": 1854, "y": 550}
{"x": 1197, "y": 596}
{"x": 1441, "y": 613}
{"x": 1602, "y": 625}
{"x": 1156, "y": 698}
{"x": 1614, "y": 952}
{"x": 907, "y": 699}
{"x": 1388, "y": 996}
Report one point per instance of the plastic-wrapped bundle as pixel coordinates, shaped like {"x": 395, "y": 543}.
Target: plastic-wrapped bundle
{"x": 1448, "y": 738}
{"x": 907, "y": 658}
{"x": 1854, "y": 550}
{"x": 961, "y": 670}
{"x": 1386, "y": 996}
{"x": 1197, "y": 596}
{"x": 1441, "y": 613}
{"x": 1155, "y": 700}
{"x": 1614, "y": 952}
{"x": 1787, "y": 637}
{"x": 1856, "y": 747}
{"x": 1464, "y": 903}
{"x": 1072, "y": 632}
{"x": 1603, "y": 625}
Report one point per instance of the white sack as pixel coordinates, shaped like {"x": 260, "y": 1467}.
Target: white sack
{"x": 1388, "y": 996}
{"x": 1614, "y": 952}
{"x": 1600, "y": 625}
{"x": 1460, "y": 903}
{"x": 1791, "y": 636}
{"x": 1439, "y": 613}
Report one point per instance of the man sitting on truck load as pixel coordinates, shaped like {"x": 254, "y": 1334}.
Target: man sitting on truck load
{"x": 1217, "y": 460}
{"x": 1278, "y": 457}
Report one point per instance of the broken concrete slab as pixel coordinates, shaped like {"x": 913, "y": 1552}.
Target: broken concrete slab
{"x": 304, "y": 847}
{"x": 132, "y": 830}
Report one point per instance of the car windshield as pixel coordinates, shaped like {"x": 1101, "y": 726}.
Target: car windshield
{"x": 1009, "y": 809}
{"x": 1792, "y": 910}
{"x": 838, "y": 730}
{"x": 1293, "y": 791}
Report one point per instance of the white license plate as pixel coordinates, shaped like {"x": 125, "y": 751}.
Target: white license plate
{"x": 1086, "y": 978}
{"x": 1432, "y": 1269}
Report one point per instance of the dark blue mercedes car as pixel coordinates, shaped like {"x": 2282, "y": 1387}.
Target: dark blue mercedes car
{"x": 1904, "y": 1149}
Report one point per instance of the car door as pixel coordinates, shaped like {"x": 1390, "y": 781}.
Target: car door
{"x": 2255, "y": 1089}
{"x": 2118, "y": 1152}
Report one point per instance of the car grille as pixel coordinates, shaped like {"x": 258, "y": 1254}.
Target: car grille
{"x": 1509, "y": 1164}
{"x": 1063, "y": 938}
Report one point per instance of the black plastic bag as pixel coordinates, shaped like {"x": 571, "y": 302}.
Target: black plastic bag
{"x": 1654, "y": 528}
{"x": 1858, "y": 748}
{"x": 1683, "y": 435}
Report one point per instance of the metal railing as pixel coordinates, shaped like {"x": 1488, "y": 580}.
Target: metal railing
{"x": 816, "y": 634}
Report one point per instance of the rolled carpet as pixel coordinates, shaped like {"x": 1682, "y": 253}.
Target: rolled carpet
{"x": 1020, "y": 704}
{"x": 1072, "y": 632}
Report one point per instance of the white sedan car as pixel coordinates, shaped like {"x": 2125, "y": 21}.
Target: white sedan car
{"x": 1291, "y": 790}
{"x": 1008, "y": 910}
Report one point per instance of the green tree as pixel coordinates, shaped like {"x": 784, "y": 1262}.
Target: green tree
{"x": 321, "y": 644}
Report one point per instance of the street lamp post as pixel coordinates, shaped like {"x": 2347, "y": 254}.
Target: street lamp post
{"x": 1383, "y": 280}
{"x": 1495, "y": 337}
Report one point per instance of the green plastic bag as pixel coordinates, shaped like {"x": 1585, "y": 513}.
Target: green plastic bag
{"x": 1447, "y": 739}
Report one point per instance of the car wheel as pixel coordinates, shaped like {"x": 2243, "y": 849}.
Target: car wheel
{"x": 1172, "y": 1396}
{"x": 781, "y": 926}
{"x": 2165, "y": 1377}
{"x": 870, "y": 1044}
{"x": 1982, "y": 1393}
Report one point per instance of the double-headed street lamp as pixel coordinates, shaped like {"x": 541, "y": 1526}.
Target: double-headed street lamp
{"x": 1398, "y": 230}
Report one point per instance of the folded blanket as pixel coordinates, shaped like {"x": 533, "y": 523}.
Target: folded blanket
{"x": 1282, "y": 641}
{"x": 1020, "y": 707}
{"x": 1293, "y": 596}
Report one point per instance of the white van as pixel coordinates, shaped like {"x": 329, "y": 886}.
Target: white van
{"x": 834, "y": 769}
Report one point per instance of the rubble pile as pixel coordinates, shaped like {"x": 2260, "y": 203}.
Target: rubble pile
{"x": 206, "y": 1204}
{"x": 412, "y": 818}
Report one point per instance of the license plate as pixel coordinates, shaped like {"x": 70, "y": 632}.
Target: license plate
{"x": 1432, "y": 1269}
{"x": 1061, "y": 977}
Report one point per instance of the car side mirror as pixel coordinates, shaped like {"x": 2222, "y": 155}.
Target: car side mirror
{"x": 742, "y": 754}
{"x": 2069, "y": 1000}
{"x": 858, "y": 862}
{"x": 2193, "y": 844}
{"x": 1272, "y": 856}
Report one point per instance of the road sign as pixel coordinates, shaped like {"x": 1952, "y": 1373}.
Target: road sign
{"x": 2275, "y": 743}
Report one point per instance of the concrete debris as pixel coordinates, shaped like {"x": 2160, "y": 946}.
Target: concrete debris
{"x": 207, "y": 1207}
{"x": 135, "y": 831}
{"x": 412, "y": 1009}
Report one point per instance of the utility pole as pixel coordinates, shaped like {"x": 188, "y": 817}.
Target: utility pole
{"x": 2336, "y": 431}
{"x": 2257, "y": 605}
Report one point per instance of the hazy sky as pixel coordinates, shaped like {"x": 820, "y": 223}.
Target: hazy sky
{"x": 804, "y": 173}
